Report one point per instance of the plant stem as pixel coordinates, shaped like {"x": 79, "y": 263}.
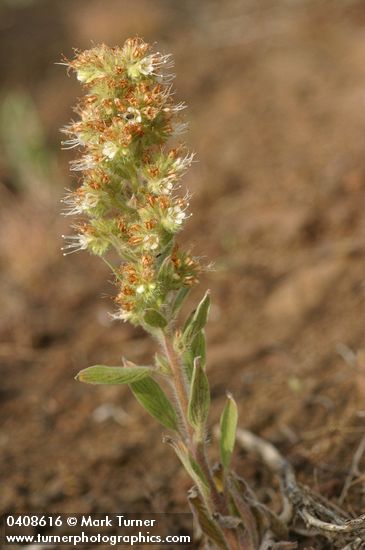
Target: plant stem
{"x": 179, "y": 385}
{"x": 197, "y": 448}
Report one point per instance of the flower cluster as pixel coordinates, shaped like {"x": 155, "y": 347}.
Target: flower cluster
{"x": 128, "y": 199}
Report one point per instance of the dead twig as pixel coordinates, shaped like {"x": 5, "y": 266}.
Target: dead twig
{"x": 349, "y": 526}
{"x": 269, "y": 544}
{"x": 300, "y": 502}
{"x": 354, "y": 470}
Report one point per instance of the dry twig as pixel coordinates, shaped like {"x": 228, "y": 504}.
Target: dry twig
{"x": 354, "y": 470}
{"x": 299, "y": 502}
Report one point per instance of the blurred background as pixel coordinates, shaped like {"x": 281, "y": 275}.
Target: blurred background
{"x": 276, "y": 95}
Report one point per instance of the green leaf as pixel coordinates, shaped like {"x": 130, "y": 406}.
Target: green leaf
{"x": 100, "y": 374}
{"x": 154, "y": 400}
{"x": 188, "y": 365}
{"x": 188, "y": 322}
{"x": 179, "y": 300}
{"x": 191, "y": 466}
{"x": 162, "y": 364}
{"x": 198, "y": 319}
{"x": 199, "y": 401}
{"x": 198, "y": 347}
{"x": 155, "y": 319}
{"x": 228, "y": 426}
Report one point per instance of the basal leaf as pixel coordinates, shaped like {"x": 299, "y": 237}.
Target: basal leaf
{"x": 207, "y": 524}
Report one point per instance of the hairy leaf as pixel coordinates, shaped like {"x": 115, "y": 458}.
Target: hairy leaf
{"x": 154, "y": 400}
{"x": 198, "y": 347}
{"x": 228, "y": 426}
{"x": 198, "y": 319}
{"x": 155, "y": 319}
{"x": 207, "y": 524}
{"x": 162, "y": 364}
{"x": 199, "y": 401}
{"x": 179, "y": 299}
{"x": 100, "y": 374}
{"x": 191, "y": 466}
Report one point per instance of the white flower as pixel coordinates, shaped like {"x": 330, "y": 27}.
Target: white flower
{"x": 132, "y": 115}
{"x": 90, "y": 201}
{"x": 110, "y": 149}
{"x": 161, "y": 61}
{"x": 153, "y": 63}
{"x": 174, "y": 218}
{"x": 82, "y": 75}
{"x": 76, "y": 243}
{"x": 175, "y": 215}
{"x": 151, "y": 241}
{"x": 79, "y": 204}
{"x": 144, "y": 288}
{"x": 182, "y": 163}
{"x": 84, "y": 163}
{"x": 71, "y": 143}
{"x": 88, "y": 74}
{"x": 164, "y": 186}
{"x": 146, "y": 66}
{"x": 174, "y": 108}
{"x": 121, "y": 315}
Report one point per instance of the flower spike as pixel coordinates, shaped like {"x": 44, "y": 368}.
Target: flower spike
{"x": 130, "y": 176}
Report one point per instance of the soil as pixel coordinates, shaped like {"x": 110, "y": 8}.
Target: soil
{"x": 276, "y": 95}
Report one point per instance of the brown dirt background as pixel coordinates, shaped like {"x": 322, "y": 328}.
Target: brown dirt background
{"x": 276, "y": 95}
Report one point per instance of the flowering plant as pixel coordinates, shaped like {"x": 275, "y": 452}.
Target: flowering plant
{"x": 129, "y": 201}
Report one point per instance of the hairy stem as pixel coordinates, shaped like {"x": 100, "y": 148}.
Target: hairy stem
{"x": 197, "y": 448}
{"x": 179, "y": 386}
